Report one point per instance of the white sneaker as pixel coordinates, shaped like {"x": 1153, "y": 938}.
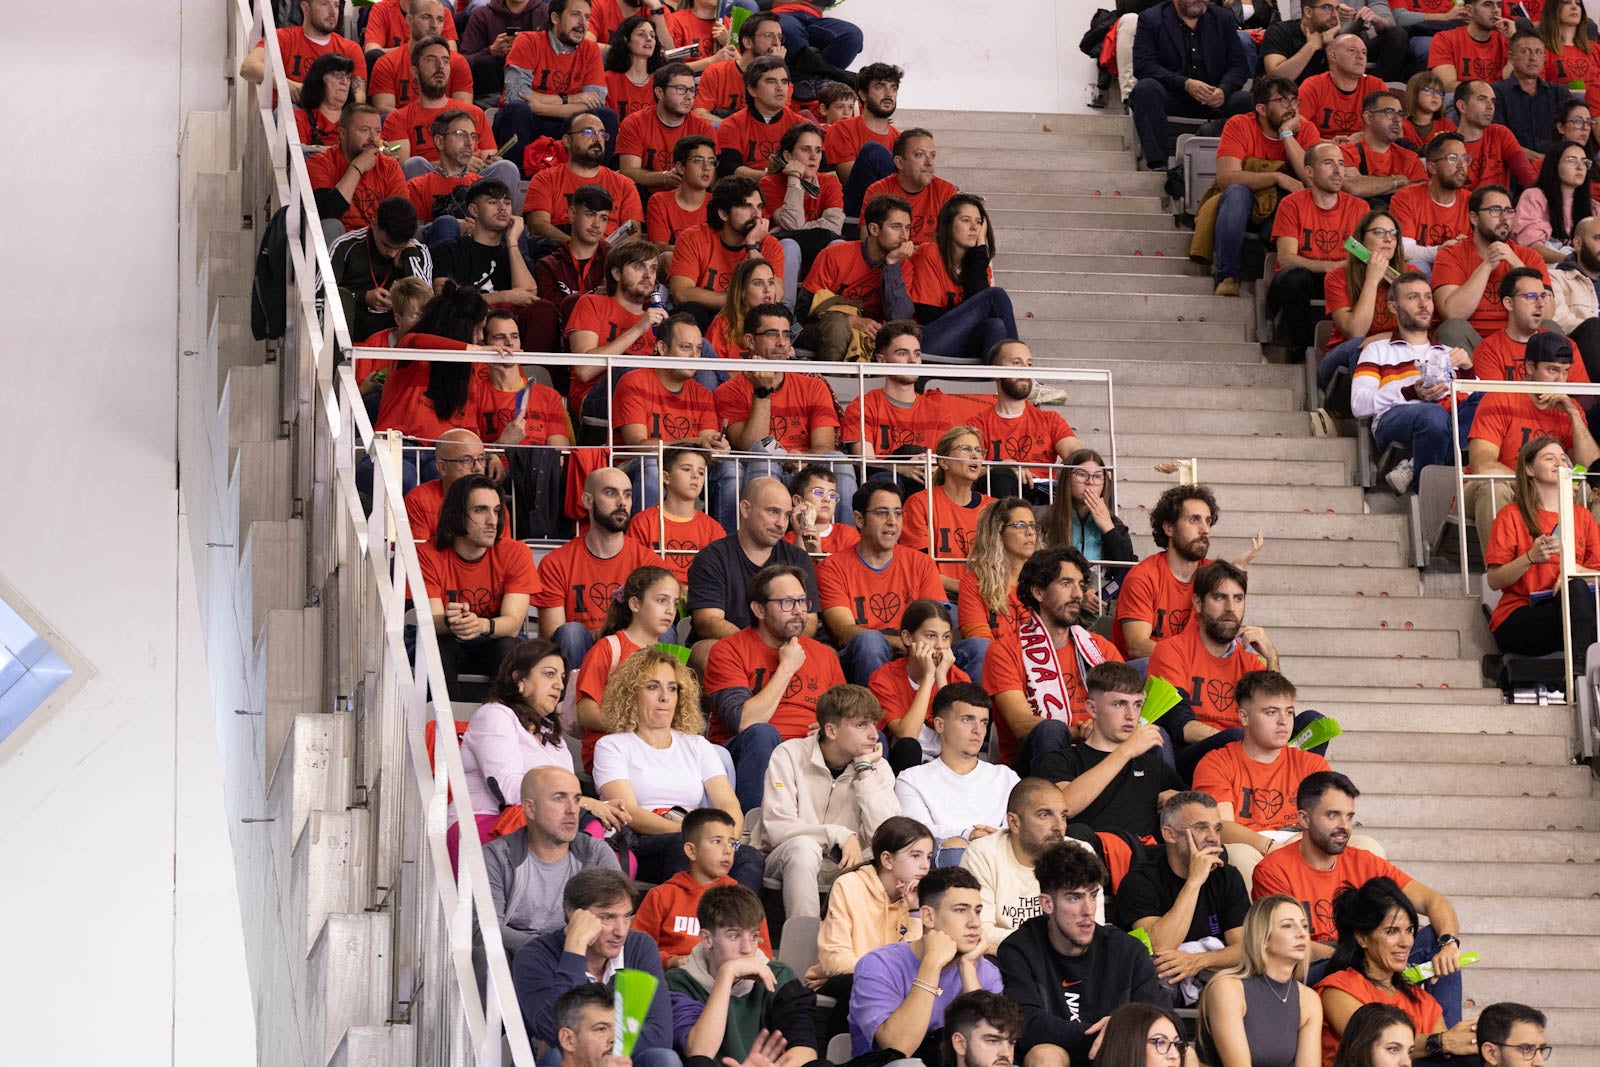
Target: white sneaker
{"x": 1047, "y": 394}
{"x": 1399, "y": 478}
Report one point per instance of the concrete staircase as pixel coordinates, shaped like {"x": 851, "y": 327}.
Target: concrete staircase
{"x": 1482, "y": 801}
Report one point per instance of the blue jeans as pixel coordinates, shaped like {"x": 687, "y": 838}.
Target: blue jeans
{"x": 517, "y": 119}
{"x": 574, "y": 640}
{"x": 1344, "y": 354}
{"x": 867, "y": 651}
{"x": 1049, "y": 735}
{"x": 751, "y": 749}
{"x": 838, "y": 41}
{"x": 1233, "y": 223}
{"x": 970, "y": 653}
{"x": 441, "y": 231}
{"x": 948, "y": 857}
{"x": 972, "y": 327}
{"x": 1427, "y": 428}
{"x": 873, "y": 163}
{"x": 1189, "y": 758}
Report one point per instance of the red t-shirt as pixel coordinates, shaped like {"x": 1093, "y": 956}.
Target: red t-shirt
{"x": 1510, "y": 420}
{"x": 480, "y": 584}
{"x": 384, "y": 180}
{"x": 1208, "y": 679}
{"x": 1242, "y": 138}
{"x": 669, "y": 914}
{"x": 1334, "y": 111}
{"x": 544, "y": 413}
{"x": 583, "y": 583}
{"x": 604, "y": 317}
{"x": 838, "y": 538}
{"x": 929, "y": 282}
{"x": 596, "y": 670}
{"x": 925, "y": 204}
{"x": 1396, "y": 160}
{"x": 1408, "y": 130}
{"x": 976, "y": 619}
{"x": 393, "y": 74}
{"x": 626, "y": 98}
{"x": 1003, "y": 672}
{"x": 1425, "y": 1013}
{"x": 830, "y": 194}
{"x": 800, "y": 404}
{"x": 1500, "y": 359}
{"x": 1496, "y": 157}
{"x": 1028, "y": 438}
{"x": 685, "y": 537}
{"x": 954, "y": 528}
{"x": 665, "y": 218}
{"x": 1320, "y": 231}
{"x": 549, "y": 189}
{"x": 754, "y": 140}
{"x": 877, "y": 599}
{"x": 411, "y": 123}
{"x": 1284, "y": 870}
{"x": 388, "y": 27}
{"x": 643, "y": 134}
{"x": 1510, "y": 538}
{"x": 406, "y": 407}
{"x": 366, "y": 367}
{"x": 327, "y": 129}
{"x": 891, "y": 426}
{"x": 1262, "y": 794}
{"x": 721, "y": 88}
{"x": 1424, "y": 220}
{"x": 1152, "y": 593}
{"x": 422, "y": 508}
{"x": 1485, "y": 60}
{"x": 891, "y": 684}
{"x": 746, "y": 661}
{"x": 1336, "y": 291}
{"x": 1572, "y": 64}
{"x": 701, "y": 257}
{"x": 688, "y": 28}
{"x": 556, "y": 74}
{"x": 845, "y": 139}
{"x": 1455, "y": 263}
{"x": 424, "y": 188}
{"x": 842, "y": 269}
{"x": 299, "y": 51}
{"x": 604, "y": 18}
{"x": 641, "y": 399}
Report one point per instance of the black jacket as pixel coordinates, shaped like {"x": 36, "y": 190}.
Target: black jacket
{"x": 1158, "y": 50}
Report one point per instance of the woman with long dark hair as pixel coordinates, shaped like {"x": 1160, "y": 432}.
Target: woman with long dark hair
{"x": 1357, "y": 294}
{"x": 641, "y": 614}
{"x": 421, "y": 398}
{"x": 323, "y": 95}
{"x": 1143, "y": 1035}
{"x": 1549, "y": 211}
{"x": 950, "y": 286}
{"x": 632, "y": 56}
{"x": 1378, "y": 1035}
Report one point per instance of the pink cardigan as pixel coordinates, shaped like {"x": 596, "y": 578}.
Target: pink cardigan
{"x": 1531, "y": 224}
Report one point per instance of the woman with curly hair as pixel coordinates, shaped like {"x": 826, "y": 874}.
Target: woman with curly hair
{"x": 987, "y": 607}
{"x": 631, "y": 58}
{"x": 658, "y": 765}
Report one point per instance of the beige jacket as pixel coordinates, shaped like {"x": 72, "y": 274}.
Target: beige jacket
{"x": 802, "y": 799}
{"x": 860, "y": 919}
{"x": 1575, "y": 295}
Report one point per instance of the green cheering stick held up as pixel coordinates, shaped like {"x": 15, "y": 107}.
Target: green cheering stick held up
{"x": 634, "y": 992}
{"x": 1419, "y": 972}
{"x": 1160, "y": 697}
{"x": 1317, "y": 733}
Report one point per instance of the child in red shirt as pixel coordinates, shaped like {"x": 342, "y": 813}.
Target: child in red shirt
{"x": 667, "y": 912}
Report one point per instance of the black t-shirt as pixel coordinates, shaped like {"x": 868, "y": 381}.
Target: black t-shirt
{"x": 1129, "y": 802}
{"x": 1152, "y": 887}
{"x": 485, "y": 268}
{"x": 1285, "y": 39}
{"x": 719, "y": 577}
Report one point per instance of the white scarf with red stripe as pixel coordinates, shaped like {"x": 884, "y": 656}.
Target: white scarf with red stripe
{"x": 1042, "y": 678}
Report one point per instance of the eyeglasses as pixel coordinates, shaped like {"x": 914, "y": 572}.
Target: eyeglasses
{"x": 463, "y": 135}
{"x": 1582, "y": 124}
{"x": 1387, "y": 112}
{"x": 775, "y": 335}
{"x": 681, "y": 90}
{"x": 1578, "y": 161}
{"x": 886, "y": 513}
{"x": 701, "y": 161}
{"x": 1528, "y": 1052}
{"x": 1291, "y": 101}
{"x": 1096, "y": 477}
{"x": 1533, "y": 296}
{"x": 1022, "y": 525}
{"x": 1431, "y": 91}
{"x": 591, "y": 135}
{"x": 1383, "y": 231}
{"x": 1164, "y": 1044}
{"x": 1451, "y": 157}
{"x": 469, "y": 461}
{"x": 966, "y": 450}
{"x": 791, "y": 603}
{"x": 826, "y": 494}
{"x": 1498, "y": 211}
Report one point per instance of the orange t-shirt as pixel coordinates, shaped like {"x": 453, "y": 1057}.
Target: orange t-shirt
{"x": 1510, "y": 538}
{"x": 327, "y": 131}
{"x": 665, "y": 218}
{"x": 482, "y": 583}
{"x": 406, "y": 407}
{"x": 604, "y": 18}
{"x": 411, "y": 123}
{"x": 685, "y": 537}
{"x": 1334, "y": 111}
{"x": 556, "y": 74}
{"x": 925, "y": 203}
{"x": 846, "y": 138}
{"x": 1454, "y": 264}
{"x": 877, "y": 599}
{"x": 830, "y": 194}
{"x": 1152, "y": 593}
{"x": 583, "y": 583}
{"x": 666, "y": 416}
{"x": 422, "y": 508}
{"x": 929, "y": 282}
{"x": 549, "y": 189}
{"x": 688, "y": 28}
{"x": 1496, "y": 158}
{"x": 1397, "y": 159}
{"x": 1028, "y": 437}
{"x": 1425, "y": 1013}
{"x": 1510, "y": 420}
{"x": 543, "y": 411}
{"x": 891, "y": 426}
{"x": 597, "y": 668}
{"x": 976, "y": 619}
{"x": 1284, "y": 870}
{"x": 838, "y": 538}
{"x": 1572, "y": 64}
{"x": 754, "y": 140}
{"x": 1209, "y": 680}
{"x": 721, "y": 88}
{"x": 387, "y": 26}
{"x": 607, "y": 319}
{"x": 299, "y": 51}
{"x": 891, "y": 684}
{"x": 1242, "y": 138}
{"x": 799, "y": 405}
{"x": 1485, "y": 60}
{"x": 1320, "y": 231}
{"x": 701, "y": 257}
{"x": 746, "y": 661}
{"x": 842, "y": 269}
{"x": 1408, "y": 129}
{"x": 1262, "y": 794}
{"x": 1427, "y": 222}
{"x": 393, "y": 74}
{"x": 424, "y": 188}
{"x": 953, "y": 528}
{"x": 628, "y": 99}
{"x": 643, "y": 134}
{"x": 1500, "y": 359}
{"x": 384, "y": 180}
{"x": 1003, "y": 672}
{"x": 1336, "y": 291}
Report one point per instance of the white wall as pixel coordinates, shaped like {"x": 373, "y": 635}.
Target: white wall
{"x": 115, "y": 880}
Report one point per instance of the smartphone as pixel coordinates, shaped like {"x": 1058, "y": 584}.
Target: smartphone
{"x": 1556, "y": 531}
{"x": 688, "y": 51}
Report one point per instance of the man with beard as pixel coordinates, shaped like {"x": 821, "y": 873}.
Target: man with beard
{"x": 982, "y": 1028}
{"x": 1333, "y": 98}
{"x": 866, "y": 139}
{"x": 352, "y": 179}
{"x": 1309, "y": 232}
{"x": 704, "y": 257}
{"x": 1003, "y": 861}
{"x": 1017, "y": 431}
{"x": 395, "y": 76}
{"x": 454, "y": 135}
{"x": 1433, "y": 215}
{"x": 765, "y": 682}
{"x": 1467, "y": 274}
{"x": 647, "y": 138}
{"x": 1036, "y": 675}
{"x": 1188, "y": 61}
{"x": 581, "y": 576}
{"x": 1576, "y": 281}
{"x": 1273, "y": 139}
{"x": 1478, "y": 50}
{"x": 1315, "y": 868}
{"x": 1115, "y": 779}
{"x": 912, "y": 178}
{"x": 546, "y": 207}
{"x": 1299, "y": 50}
{"x": 843, "y": 294}
{"x": 1065, "y": 970}
{"x": 1187, "y": 898}
{"x": 553, "y": 76}
{"x": 1495, "y": 157}
{"x": 618, "y": 321}
{"x": 1375, "y": 167}
{"x": 1156, "y": 597}
{"x": 411, "y": 125}
{"x": 488, "y": 260}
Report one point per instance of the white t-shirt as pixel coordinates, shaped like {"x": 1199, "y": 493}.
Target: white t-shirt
{"x": 669, "y": 777}
{"x": 951, "y": 804}
{"x": 498, "y": 746}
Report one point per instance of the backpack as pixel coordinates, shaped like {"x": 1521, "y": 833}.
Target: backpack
{"x": 268, "y": 308}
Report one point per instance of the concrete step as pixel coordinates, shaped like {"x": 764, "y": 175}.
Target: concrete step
{"x": 1181, "y": 422}
{"x": 1347, "y": 499}
{"x": 1197, "y": 397}
{"x": 1167, "y": 242}
{"x": 1562, "y": 880}
{"x": 391, "y": 1045}
{"x": 1091, "y": 218}
{"x": 1069, "y": 262}
{"x": 1135, "y": 364}
{"x": 329, "y": 869}
{"x": 1527, "y": 913}
{"x": 1137, "y": 332}
{"x": 1289, "y": 525}
{"x": 1441, "y": 719}
{"x": 941, "y": 121}
{"x": 1318, "y": 696}
{"x": 1157, "y": 307}
{"x": 1246, "y": 471}
{"x": 1226, "y": 449}
{"x": 1111, "y": 203}
{"x": 1486, "y": 781}
{"x": 272, "y": 571}
{"x": 287, "y": 671}
{"x": 1270, "y": 608}
{"x": 1407, "y": 846}
{"x": 347, "y": 979}
{"x": 1062, "y": 159}
{"x": 1508, "y": 749}
{"x": 1381, "y": 671}
{"x": 251, "y": 397}
{"x": 1555, "y": 986}
{"x": 262, "y": 480}
{"x": 1302, "y": 553}
{"x": 1173, "y": 284}
{"x": 1027, "y": 142}
{"x": 1487, "y": 813}
{"x": 973, "y": 175}
{"x": 1298, "y": 642}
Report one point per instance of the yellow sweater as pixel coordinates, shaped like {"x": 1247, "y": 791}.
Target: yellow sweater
{"x": 860, "y": 919}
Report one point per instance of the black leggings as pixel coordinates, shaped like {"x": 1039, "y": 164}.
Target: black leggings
{"x": 1535, "y": 629}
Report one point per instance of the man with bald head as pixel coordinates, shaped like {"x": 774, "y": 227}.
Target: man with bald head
{"x": 1332, "y": 99}
{"x": 1309, "y": 232}
{"x": 458, "y": 452}
{"x": 581, "y": 576}
{"x": 719, "y": 577}
{"x": 394, "y": 75}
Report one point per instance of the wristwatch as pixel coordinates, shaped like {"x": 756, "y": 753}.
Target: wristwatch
{"x": 563, "y": 98}
{"x": 1434, "y": 1045}
{"x": 760, "y": 392}
{"x": 1449, "y": 939}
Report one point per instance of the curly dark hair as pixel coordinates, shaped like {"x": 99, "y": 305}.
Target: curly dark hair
{"x": 1170, "y": 507}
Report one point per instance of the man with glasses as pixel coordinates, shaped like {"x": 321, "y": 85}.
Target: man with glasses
{"x": 647, "y": 138}
{"x": 1375, "y": 167}
{"x": 1511, "y": 1035}
{"x": 1501, "y": 356}
{"x": 1333, "y": 98}
{"x": 764, "y": 681}
{"x": 866, "y": 588}
{"x": 552, "y": 77}
{"x": 457, "y": 453}
{"x": 547, "y": 205}
{"x": 1273, "y": 140}
{"x": 1067, "y": 972}
{"x": 1298, "y": 50}
{"x": 1476, "y": 51}
{"x": 1188, "y": 61}
{"x": 1309, "y": 232}
{"x": 1524, "y": 102}
{"x": 396, "y": 75}
{"x": 1016, "y": 431}
{"x": 1433, "y": 215}
{"x": 1467, "y": 274}
{"x": 683, "y": 208}
{"x": 412, "y": 124}
{"x": 1495, "y": 154}
{"x": 454, "y": 139}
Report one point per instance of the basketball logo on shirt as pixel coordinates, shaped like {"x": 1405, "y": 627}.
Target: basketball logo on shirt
{"x": 1177, "y": 619}
{"x": 600, "y": 594}
{"x": 1322, "y": 916}
{"x": 963, "y": 541}
{"x": 1323, "y": 240}
{"x": 553, "y": 82}
{"x": 1479, "y": 68}
{"x": 778, "y": 427}
{"x": 885, "y": 607}
{"x": 481, "y": 602}
{"x": 1262, "y": 804}
{"x": 893, "y": 437}
{"x": 792, "y": 690}
{"x": 669, "y": 427}
{"x": 1338, "y": 120}
{"x": 1437, "y": 233}
{"x": 1017, "y": 447}
{"x": 1220, "y": 694}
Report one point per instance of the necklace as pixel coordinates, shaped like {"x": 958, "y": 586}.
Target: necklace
{"x": 1288, "y": 987}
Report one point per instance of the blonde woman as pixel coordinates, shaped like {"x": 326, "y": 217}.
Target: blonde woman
{"x": 956, "y": 503}
{"x": 658, "y": 766}
{"x": 987, "y": 607}
{"x": 1261, "y": 1013}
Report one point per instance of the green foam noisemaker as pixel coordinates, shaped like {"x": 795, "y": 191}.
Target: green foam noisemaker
{"x": 736, "y": 19}
{"x": 1144, "y": 938}
{"x": 634, "y": 991}
{"x": 1160, "y": 697}
{"x": 678, "y": 651}
{"x": 1318, "y": 732}
{"x": 1421, "y": 972}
